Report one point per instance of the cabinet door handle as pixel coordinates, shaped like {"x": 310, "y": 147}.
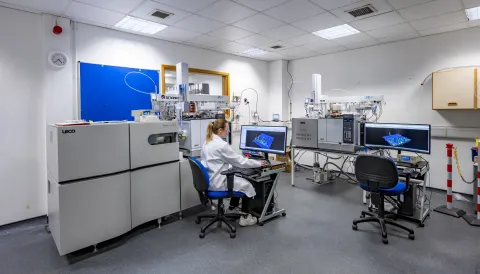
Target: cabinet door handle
{"x": 48, "y": 186}
{"x": 452, "y": 104}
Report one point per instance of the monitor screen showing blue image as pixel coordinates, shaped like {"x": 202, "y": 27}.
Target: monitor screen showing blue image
{"x": 267, "y": 139}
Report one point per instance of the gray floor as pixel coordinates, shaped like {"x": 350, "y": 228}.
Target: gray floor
{"x": 315, "y": 237}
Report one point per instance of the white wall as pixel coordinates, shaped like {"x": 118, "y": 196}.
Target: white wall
{"x": 23, "y": 189}
{"x": 396, "y": 71}
{"x": 109, "y": 47}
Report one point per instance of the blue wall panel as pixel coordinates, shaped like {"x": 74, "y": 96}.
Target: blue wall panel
{"x": 105, "y": 94}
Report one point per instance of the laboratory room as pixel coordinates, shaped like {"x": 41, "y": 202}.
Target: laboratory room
{"x": 240, "y": 136}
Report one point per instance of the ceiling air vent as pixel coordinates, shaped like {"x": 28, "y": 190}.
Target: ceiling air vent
{"x": 161, "y": 14}
{"x": 361, "y": 11}
{"x": 276, "y": 47}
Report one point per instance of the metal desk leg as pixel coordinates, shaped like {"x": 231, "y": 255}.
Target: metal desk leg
{"x": 276, "y": 212}
{"x": 292, "y": 178}
{"x": 424, "y": 212}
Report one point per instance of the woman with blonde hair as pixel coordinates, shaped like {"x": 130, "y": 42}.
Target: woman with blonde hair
{"x": 218, "y": 156}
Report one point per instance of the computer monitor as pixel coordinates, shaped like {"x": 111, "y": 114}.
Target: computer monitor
{"x": 267, "y": 139}
{"x": 405, "y": 137}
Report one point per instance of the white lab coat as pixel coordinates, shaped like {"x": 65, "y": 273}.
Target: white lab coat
{"x": 218, "y": 156}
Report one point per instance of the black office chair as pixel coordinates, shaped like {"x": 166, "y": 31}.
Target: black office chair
{"x": 379, "y": 175}
{"x": 201, "y": 182}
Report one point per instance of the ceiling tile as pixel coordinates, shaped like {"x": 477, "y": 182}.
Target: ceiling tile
{"x": 283, "y": 32}
{"x": 318, "y": 22}
{"x": 145, "y": 9}
{"x": 256, "y": 40}
{"x": 284, "y": 45}
{"x": 333, "y": 49}
{"x": 353, "y": 41}
{"x": 51, "y": 6}
{"x": 375, "y": 22}
{"x": 207, "y": 41}
{"x": 363, "y": 44}
{"x": 474, "y": 23}
{"x": 400, "y": 4}
{"x": 188, "y": 5}
{"x": 123, "y": 6}
{"x": 306, "y": 39}
{"x": 471, "y": 3}
{"x": 399, "y": 37}
{"x": 86, "y": 13}
{"x": 331, "y": 5}
{"x": 261, "y": 5}
{"x": 199, "y": 24}
{"x": 271, "y": 56}
{"x": 391, "y": 31}
{"x": 231, "y": 33}
{"x": 448, "y": 28}
{"x": 321, "y": 45}
{"x": 433, "y": 8}
{"x": 176, "y": 34}
{"x": 380, "y": 5}
{"x": 298, "y": 52}
{"x": 227, "y": 12}
{"x": 258, "y": 23}
{"x": 439, "y": 21}
{"x": 232, "y": 47}
{"x": 294, "y": 10}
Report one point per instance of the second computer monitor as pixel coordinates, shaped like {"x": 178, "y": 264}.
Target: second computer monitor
{"x": 268, "y": 139}
{"x": 407, "y": 137}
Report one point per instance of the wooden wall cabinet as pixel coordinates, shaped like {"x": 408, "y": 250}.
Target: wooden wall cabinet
{"x": 455, "y": 89}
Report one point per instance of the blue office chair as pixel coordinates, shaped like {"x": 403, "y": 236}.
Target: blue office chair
{"x": 201, "y": 182}
{"x": 379, "y": 175}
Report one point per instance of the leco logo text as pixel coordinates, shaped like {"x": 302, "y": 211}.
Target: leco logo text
{"x": 67, "y": 131}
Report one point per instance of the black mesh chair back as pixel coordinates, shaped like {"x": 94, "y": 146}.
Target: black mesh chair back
{"x": 376, "y": 172}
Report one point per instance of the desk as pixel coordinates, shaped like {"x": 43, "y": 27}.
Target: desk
{"x": 419, "y": 215}
{"x": 260, "y": 180}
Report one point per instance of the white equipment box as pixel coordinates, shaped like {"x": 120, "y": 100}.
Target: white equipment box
{"x": 196, "y": 132}
{"x": 88, "y": 184}
{"x": 155, "y": 175}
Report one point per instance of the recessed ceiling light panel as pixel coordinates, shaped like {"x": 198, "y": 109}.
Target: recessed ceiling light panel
{"x": 140, "y": 25}
{"x": 254, "y": 52}
{"x": 473, "y": 13}
{"x": 336, "y": 32}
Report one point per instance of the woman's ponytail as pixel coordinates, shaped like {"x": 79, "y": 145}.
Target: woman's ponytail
{"x": 209, "y": 132}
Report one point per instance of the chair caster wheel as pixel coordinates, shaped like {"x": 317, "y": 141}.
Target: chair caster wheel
{"x": 284, "y": 214}
{"x": 384, "y": 240}
{"x": 201, "y": 235}
{"x": 260, "y": 223}
{"x": 421, "y": 225}
{"x": 354, "y": 227}
{"x": 197, "y": 221}
{"x": 234, "y": 230}
{"x": 411, "y": 236}
{"x": 233, "y": 235}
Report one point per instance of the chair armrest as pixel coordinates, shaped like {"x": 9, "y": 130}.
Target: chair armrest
{"x": 230, "y": 179}
{"x": 229, "y": 172}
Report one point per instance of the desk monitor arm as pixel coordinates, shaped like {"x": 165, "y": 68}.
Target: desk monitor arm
{"x": 267, "y": 159}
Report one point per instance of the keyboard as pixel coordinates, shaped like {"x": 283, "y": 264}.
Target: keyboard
{"x": 247, "y": 171}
